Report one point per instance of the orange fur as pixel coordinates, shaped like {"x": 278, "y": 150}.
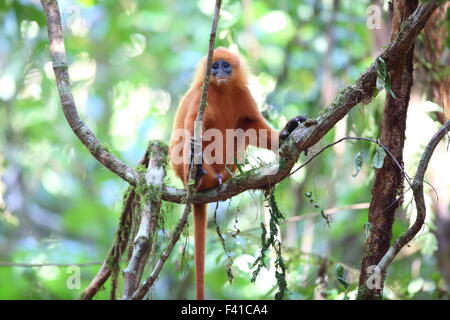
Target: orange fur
{"x": 230, "y": 106}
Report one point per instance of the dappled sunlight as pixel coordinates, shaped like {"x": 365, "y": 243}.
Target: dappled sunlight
{"x": 274, "y": 21}
{"x": 135, "y": 47}
{"x": 5, "y": 214}
{"x": 76, "y": 23}
{"x": 82, "y": 72}
{"x": 7, "y": 86}
{"x": 257, "y": 157}
{"x": 320, "y": 44}
{"x": 48, "y": 69}
{"x": 58, "y": 183}
{"x": 419, "y": 130}
{"x": 131, "y": 107}
{"x": 29, "y": 29}
{"x": 130, "y": 6}
{"x": 160, "y": 101}
{"x": 83, "y": 68}
{"x": 265, "y": 280}
{"x": 49, "y": 272}
{"x": 32, "y": 85}
{"x": 260, "y": 86}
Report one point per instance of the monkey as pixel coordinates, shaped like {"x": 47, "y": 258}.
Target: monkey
{"x": 230, "y": 106}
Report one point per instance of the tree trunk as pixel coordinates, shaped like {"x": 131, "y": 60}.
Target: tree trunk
{"x": 388, "y": 186}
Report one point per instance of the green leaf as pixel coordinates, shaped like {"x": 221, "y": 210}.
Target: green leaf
{"x": 344, "y": 282}
{"x": 339, "y": 271}
{"x": 378, "y": 158}
{"x": 381, "y": 68}
{"x": 388, "y": 87}
{"x": 383, "y": 80}
{"x": 239, "y": 166}
{"x": 376, "y": 91}
{"x": 358, "y": 161}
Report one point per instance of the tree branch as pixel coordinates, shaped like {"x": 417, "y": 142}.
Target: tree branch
{"x": 309, "y": 133}
{"x": 120, "y": 241}
{"x": 417, "y": 187}
{"x": 305, "y": 136}
{"x": 388, "y": 152}
{"x": 143, "y": 241}
{"x": 301, "y": 139}
{"x": 60, "y": 68}
{"x": 191, "y": 187}
{"x": 388, "y": 186}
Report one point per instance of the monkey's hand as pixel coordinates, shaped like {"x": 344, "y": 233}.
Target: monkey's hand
{"x": 290, "y": 126}
{"x": 200, "y": 173}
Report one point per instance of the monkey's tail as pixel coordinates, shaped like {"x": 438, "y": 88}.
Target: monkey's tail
{"x": 200, "y": 219}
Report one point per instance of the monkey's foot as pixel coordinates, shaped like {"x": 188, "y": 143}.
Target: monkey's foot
{"x": 290, "y": 126}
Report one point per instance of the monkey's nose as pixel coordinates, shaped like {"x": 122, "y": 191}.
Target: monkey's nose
{"x": 221, "y": 75}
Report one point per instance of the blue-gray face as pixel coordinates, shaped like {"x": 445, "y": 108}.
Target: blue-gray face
{"x": 221, "y": 70}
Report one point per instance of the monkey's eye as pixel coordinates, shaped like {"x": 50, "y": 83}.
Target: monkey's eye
{"x": 226, "y": 65}
{"x": 215, "y": 65}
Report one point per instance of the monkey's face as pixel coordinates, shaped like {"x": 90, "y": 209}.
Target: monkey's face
{"x": 221, "y": 71}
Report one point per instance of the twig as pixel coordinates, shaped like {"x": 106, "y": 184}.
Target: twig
{"x": 356, "y": 206}
{"x": 417, "y": 187}
{"x": 198, "y": 124}
{"x": 60, "y": 68}
{"x": 357, "y": 138}
{"x": 312, "y": 215}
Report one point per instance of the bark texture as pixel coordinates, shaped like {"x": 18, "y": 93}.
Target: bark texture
{"x": 388, "y": 186}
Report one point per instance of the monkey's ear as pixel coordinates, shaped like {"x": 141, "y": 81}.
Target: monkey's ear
{"x": 290, "y": 126}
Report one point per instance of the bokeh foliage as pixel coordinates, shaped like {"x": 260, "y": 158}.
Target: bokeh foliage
{"x": 130, "y": 62}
